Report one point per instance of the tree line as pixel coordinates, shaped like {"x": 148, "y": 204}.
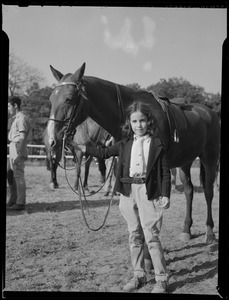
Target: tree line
{"x": 24, "y": 81}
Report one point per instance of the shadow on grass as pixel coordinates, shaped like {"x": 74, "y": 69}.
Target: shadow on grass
{"x": 210, "y": 267}
{"x": 62, "y": 206}
{"x": 212, "y": 247}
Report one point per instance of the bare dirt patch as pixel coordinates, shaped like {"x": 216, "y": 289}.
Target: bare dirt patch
{"x": 49, "y": 247}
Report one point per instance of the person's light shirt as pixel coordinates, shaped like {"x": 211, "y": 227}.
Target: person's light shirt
{"x": 139, "y": 155}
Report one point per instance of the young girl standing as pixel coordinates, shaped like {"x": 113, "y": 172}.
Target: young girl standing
{"x": 144, "y": 182}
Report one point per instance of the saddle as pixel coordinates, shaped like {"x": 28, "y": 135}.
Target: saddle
{"x": 176, "y": 118}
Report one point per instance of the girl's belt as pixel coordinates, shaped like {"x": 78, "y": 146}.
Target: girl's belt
{"x": 135, "y": 180}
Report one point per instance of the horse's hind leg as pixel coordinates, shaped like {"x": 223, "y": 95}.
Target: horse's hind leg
{"x": 209, "y": 174}
{"x": 185, "y": 177}
{"x": 174, "y": 176}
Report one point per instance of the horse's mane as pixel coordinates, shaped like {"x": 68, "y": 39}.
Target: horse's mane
{"x": 93, "y": 79}
{"x": 107, "y": 83}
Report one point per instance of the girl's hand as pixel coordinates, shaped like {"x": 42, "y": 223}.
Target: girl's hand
{"x": 164, "y": 202}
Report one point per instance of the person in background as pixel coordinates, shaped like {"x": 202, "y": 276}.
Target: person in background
{"x": 18, "y": 136}
{"x": 144, "y": 182}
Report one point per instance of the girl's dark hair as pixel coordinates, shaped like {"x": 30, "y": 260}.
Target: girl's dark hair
{"x": 144, "y": 108}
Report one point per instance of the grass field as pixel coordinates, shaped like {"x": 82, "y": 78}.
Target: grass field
{"x": 49, "y": 247}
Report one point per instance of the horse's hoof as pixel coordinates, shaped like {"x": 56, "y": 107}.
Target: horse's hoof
{"x": 209, "y": 239}
{"x": 52, "y": 187}
{"x": 86, "y": 189}
{"x": 185, "y": 237}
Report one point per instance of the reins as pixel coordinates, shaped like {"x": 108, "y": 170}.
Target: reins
{"x": 80, "y": 186}
{"x": 80, "y": 164}
{"x": 69, "y": 132}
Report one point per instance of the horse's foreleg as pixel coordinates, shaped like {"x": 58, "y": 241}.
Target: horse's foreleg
{"x": 78, "y": 158}
{"x": 185, "y": 177}
{"x": 102, "y": 169}
{"x": 86, "y": 172}
{"x": 53, "y": 182}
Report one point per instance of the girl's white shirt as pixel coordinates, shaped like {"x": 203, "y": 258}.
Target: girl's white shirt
{"x": 139, "y": 155}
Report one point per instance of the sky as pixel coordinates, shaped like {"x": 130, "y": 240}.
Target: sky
{"x": 121, "y": 44}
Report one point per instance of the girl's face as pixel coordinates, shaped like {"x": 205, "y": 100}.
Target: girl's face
{"x": 139, "y": 123}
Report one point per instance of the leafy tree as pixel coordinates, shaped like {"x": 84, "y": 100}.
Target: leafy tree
{"x": 182, "y": 88}
{"x": 37, "y": 105}
{"x": 134, "y": 86}
{"x": 24, "y": 81}
{"x": 214, "y": 102}
{"x": 21, "y": 76}
{"x": 179, "y": 88}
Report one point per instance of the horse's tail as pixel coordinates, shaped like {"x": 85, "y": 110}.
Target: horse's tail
{"x": 202, "y": 175}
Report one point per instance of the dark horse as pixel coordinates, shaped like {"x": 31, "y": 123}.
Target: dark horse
{"x": 196, "y": 132}
{"x": 88, "y": 133}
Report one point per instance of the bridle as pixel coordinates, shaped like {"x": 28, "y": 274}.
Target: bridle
{"x": 69, "y": 123}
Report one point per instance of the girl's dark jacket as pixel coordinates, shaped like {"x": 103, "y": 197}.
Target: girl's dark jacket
{"x": 158, "y": 176}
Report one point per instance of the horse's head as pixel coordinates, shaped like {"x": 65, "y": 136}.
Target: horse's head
{"x": 67, "y": 110}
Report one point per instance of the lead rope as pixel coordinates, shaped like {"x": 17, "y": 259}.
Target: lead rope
{"x": 70, "y": 169}
{"x": 82, "y": 210}
{"x": 80, "y": 165}
{"x": 80, "y": 186}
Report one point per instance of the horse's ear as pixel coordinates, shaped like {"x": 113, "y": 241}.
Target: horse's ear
{"x": 58, "y": 75}
{"x": 79, "y": 73}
